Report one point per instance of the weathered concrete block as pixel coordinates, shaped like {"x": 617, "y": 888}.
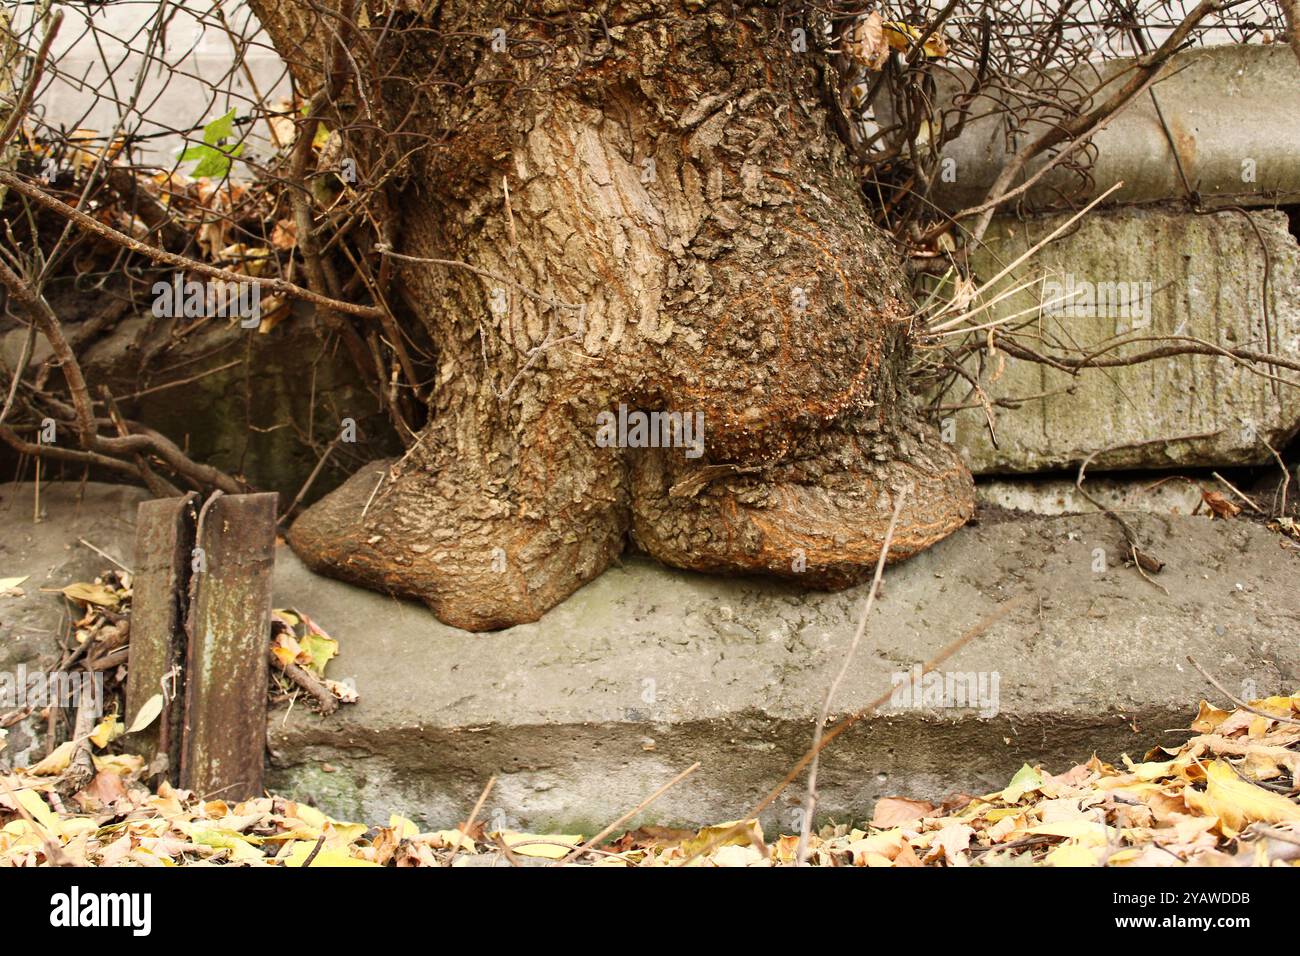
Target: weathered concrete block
{"x": 1233, "y": 117}
{"x": 646, "y": 670}
{"x": 1060, "y": 496}
{"x": 583, "y": 714}
{"x": 1196, "y": 276}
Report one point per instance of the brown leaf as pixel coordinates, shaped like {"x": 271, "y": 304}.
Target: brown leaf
{"x": 285, "y": 235}
{"x": 867, "y": 44}
{"x": 1221, "y": 506}
{"x": 105, "y": 789}
{"x": 907, "y": 857}
{"x": 896, "y": 811}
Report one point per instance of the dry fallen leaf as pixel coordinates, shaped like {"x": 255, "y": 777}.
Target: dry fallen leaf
{"x": 867, "y": 45}
{"x": 903, "y": 36}
{"x": 896, "y": 811}
{"x": 1237, "y": 802}
{"x": 1221, "y": 506}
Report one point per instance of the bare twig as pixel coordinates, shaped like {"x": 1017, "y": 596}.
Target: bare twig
{"x": 594, "y": 841}
{"x": 308, "y": 682}
{"x": 105, "y": 555}
{"x": 810, "y": 800}
{"x": 473, "y": 815}
{"x": 1286, "y": 475}
{"x": 33, "y": 80}
{"x": 1236, "y": 700}
{"x": 1005, "y": 608}
{"x": 1239, "y": 493}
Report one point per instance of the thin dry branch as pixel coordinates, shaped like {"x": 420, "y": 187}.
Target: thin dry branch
{"x": 89, "y": 224}
{"x": 1148, "y": 68}
{"x": 810, "y": 800}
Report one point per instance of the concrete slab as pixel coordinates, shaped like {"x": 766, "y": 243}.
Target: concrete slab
{"x": 1232, "y": 110}
{"x": 1114, "y": 284}
{"x": 1059, "y": 496}
{"x": 646, "y": 670}
{"x": 48, "y": 552}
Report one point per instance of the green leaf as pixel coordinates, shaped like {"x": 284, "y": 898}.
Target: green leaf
{"x": 219, "y": 129}
{"x": 213, "y": 162}
{"x": 213, "y": 157}
{"x": 1026, "y": 780}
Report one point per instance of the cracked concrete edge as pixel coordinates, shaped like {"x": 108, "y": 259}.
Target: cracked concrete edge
{"x": 578, "y": 778}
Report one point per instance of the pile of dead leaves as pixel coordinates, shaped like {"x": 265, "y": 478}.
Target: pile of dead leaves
{"x": 1227, "y": 797}
{"x": 98, "y": 642}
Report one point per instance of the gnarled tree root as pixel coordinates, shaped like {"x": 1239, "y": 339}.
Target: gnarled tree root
{"x": 483, "y": 557}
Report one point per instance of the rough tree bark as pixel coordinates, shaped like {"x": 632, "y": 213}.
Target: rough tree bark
{"x": 683, "y": 233}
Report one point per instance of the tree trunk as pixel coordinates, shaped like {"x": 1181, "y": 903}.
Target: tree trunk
{"x": 683, "y": 234}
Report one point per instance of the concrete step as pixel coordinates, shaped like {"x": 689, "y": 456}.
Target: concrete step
{"x": 583, "y": 714}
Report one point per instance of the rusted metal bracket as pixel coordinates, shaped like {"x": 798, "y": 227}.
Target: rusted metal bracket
{"x": 203, "y": 602}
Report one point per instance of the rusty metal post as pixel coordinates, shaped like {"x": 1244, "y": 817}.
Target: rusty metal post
{"x": 229, "y": 627}
{"x": 160, "y": 592}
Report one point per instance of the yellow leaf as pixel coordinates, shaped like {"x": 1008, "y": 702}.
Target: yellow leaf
{"x": 56, "y": 761}
{"x": 1089, "y": 830}
{"x": 91, "y": 594}
{"x": 903, "y": 36}
{"x": 240, "y": 846}
{"x": 446, "y": 839}
{"x": 1122, "y": 857}
{"x": 343, "y": 834}
{"x": 8, "y": 584}
{"x": 286, "y": 649}
{"x": 1071, "y": 854}
{"x": 1237, "y": 802}
{"x": 1278, "y": 706}
{"x": 1208, "y": 718}
{"x": 887, "y": 844}
{"x": 998, "y": 813}
{"x": 739, "y": 856}
{"x": 307, "y": 814}
{"x": 403, "y": 827}
{"x": 106, "y": 731}
{"x": 121, "y": 764}
{"x": 1148, "y": 772}
{"x": 1027, "y": 780}
{"x": 327, "y": 857}
{"x": 747, "y": 832}
{"x": 25, "y": 835}
{"x": 34, "y": 804}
